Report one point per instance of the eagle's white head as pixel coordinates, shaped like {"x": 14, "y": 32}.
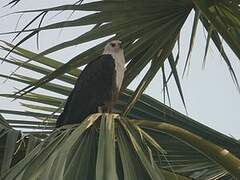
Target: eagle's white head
{"x": 113, "y": 47}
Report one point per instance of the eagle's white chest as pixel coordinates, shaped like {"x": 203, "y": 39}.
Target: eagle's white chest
{"x": 119, "y": 68}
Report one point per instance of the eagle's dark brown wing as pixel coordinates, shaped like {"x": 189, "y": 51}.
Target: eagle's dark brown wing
{"x": 94, "y": 88}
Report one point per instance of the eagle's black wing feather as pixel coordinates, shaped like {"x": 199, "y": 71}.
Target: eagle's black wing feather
{"x": 93, "y": 87}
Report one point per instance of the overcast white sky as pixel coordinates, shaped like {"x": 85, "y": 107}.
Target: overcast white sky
{"x": 210, "y": 94}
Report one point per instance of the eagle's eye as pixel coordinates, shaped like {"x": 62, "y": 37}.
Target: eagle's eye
{"x": 113, "y": 44}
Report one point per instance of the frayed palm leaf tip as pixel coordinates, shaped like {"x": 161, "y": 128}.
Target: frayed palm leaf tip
{"x": 103, "y": 146}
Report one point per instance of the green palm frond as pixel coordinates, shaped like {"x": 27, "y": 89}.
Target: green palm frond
{"x": 3, "y": 123}
{"x": 112, "y": 147}
{"x": 224, "y": 16}
{"x": 8, "y": 138}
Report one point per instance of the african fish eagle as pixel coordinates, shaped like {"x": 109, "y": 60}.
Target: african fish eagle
{"x": 97, "y": 87}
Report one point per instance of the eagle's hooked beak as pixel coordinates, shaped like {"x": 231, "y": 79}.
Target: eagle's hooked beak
{"x": 120, "y": 45}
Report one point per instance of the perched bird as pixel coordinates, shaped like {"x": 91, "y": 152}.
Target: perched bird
{"x": 97, "y": 87}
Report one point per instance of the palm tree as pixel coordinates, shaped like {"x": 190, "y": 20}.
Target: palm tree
{"x": 148, "y": 140}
